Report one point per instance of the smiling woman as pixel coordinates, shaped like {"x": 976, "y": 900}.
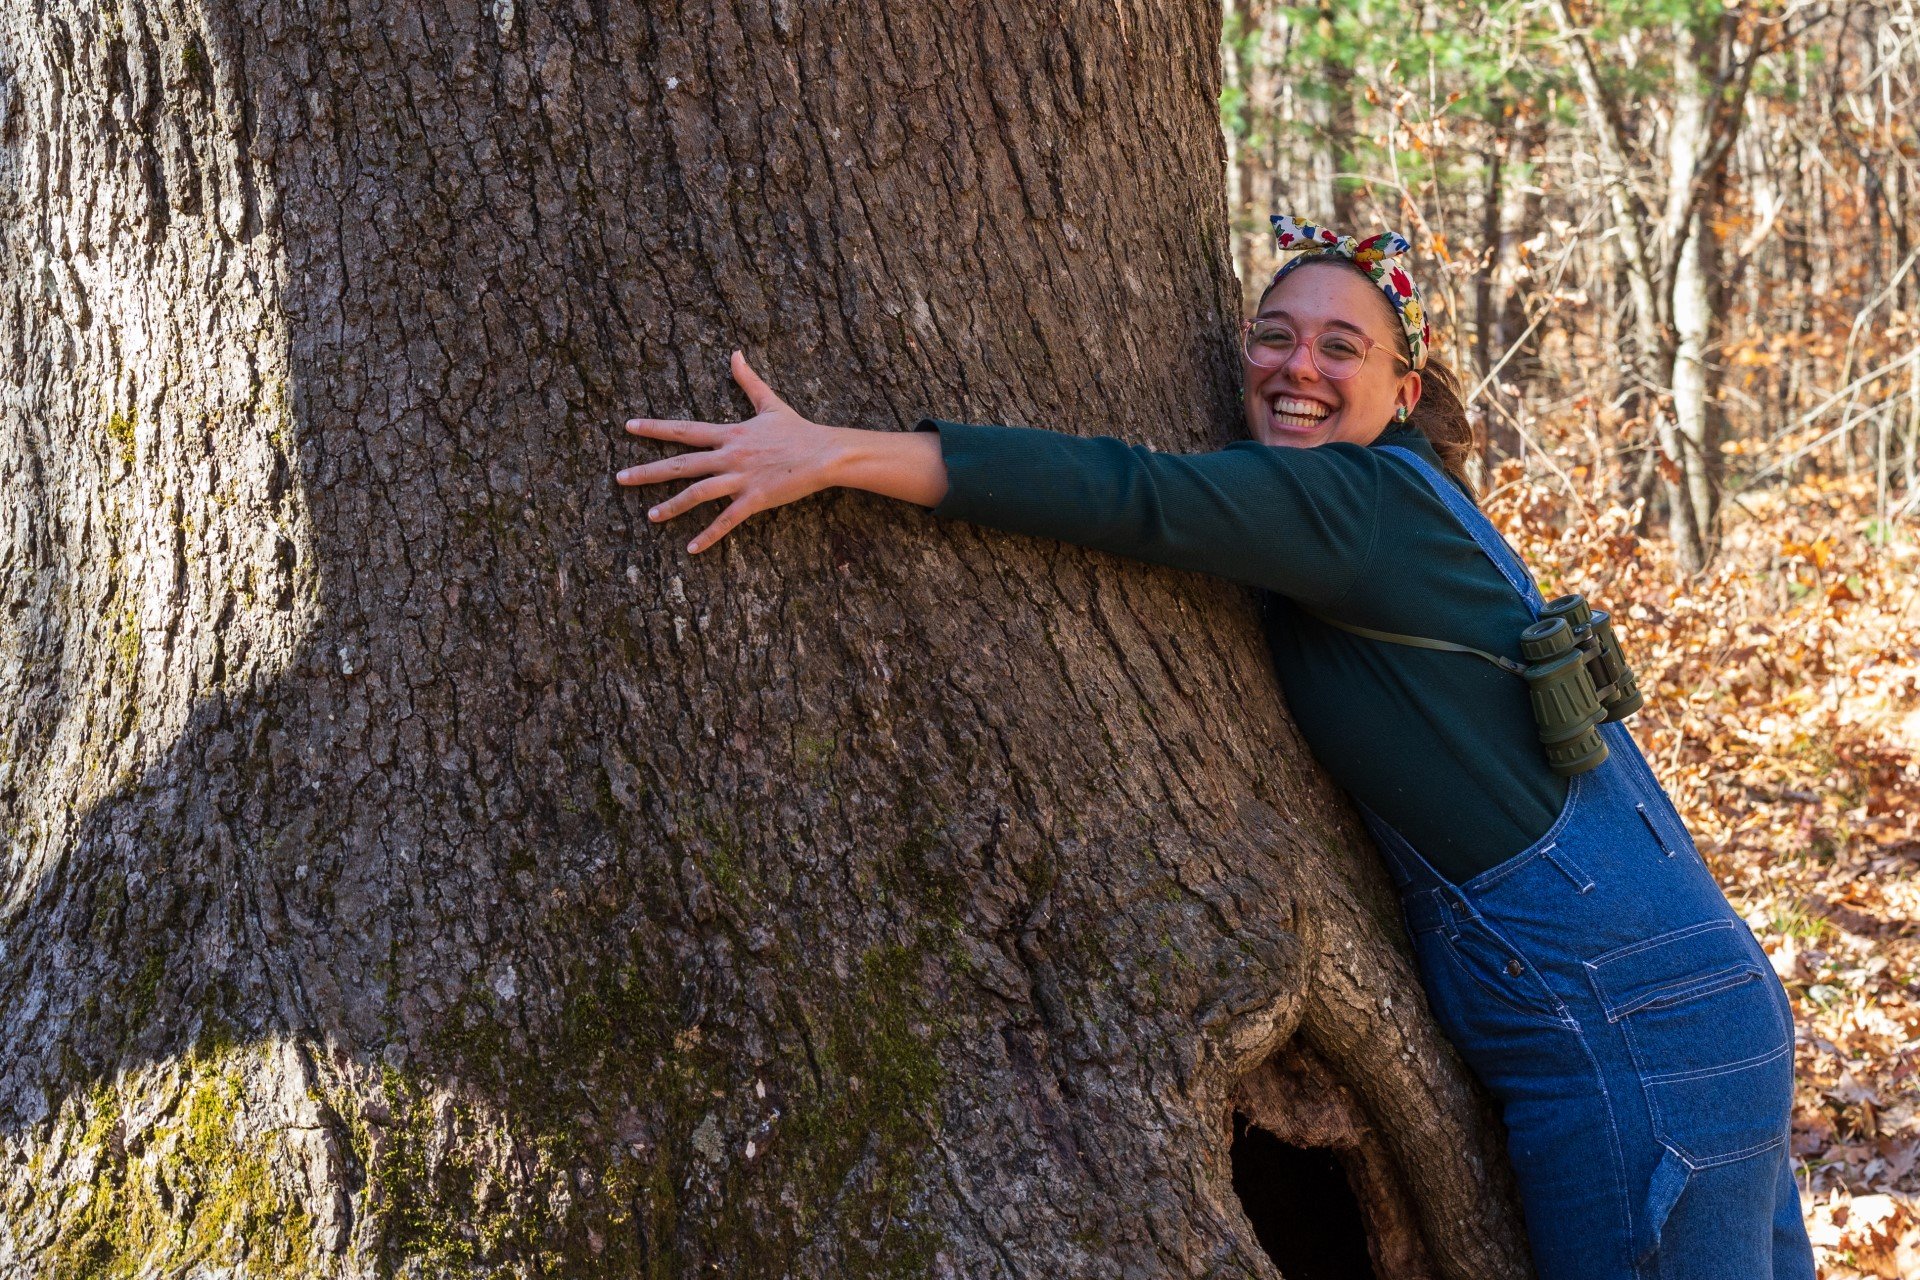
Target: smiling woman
{"x": 1312, "y": 509}
{"x": 1326, "y": 361}
{"x": 1517, "y": 885}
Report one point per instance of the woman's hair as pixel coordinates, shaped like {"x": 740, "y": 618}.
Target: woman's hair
{"x": 1441, "y": 415}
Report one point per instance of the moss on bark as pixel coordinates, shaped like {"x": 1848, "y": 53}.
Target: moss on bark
{"x": 189, "y": 1189}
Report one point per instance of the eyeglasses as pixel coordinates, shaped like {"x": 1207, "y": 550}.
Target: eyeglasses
{"x": 1336, "y": 353}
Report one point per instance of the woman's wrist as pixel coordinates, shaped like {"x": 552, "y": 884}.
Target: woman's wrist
{"x": 895, "y": 464}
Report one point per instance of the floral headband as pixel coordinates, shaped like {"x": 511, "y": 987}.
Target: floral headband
{"x": 1371, "y": 256}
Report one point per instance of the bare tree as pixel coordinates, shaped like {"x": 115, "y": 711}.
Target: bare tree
{"x": 1671, "y": 255}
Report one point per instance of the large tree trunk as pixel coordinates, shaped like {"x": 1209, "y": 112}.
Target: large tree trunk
{"x": 416, "y": 862}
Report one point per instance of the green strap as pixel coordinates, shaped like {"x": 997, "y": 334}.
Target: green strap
{"x": 1417, "y": 642}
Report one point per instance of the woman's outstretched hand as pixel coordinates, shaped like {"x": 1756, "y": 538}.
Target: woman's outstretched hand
{"x": 771, "y": 459}
{"x": 777, "y": 457}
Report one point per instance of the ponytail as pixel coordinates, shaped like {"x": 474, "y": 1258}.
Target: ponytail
{"x": 1441, "y": 417}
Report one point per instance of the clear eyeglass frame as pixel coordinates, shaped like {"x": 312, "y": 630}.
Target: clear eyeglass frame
{"x": 1337, "y": 366}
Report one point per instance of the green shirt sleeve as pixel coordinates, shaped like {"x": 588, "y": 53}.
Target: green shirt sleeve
{"x": 1300, "y": 522}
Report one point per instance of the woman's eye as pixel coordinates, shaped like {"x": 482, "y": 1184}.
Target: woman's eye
{"x": 1274, "y": 337}
{"x": 1340, "y": 348}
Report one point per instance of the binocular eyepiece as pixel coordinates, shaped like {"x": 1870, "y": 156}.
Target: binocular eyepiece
{"x": 1577, "y": 679}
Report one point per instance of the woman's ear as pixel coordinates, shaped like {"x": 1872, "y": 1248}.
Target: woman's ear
{"x": 1409, "y": 394}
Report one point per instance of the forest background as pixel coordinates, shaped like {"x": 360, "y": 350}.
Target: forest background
{"x": 1672, "y": 248}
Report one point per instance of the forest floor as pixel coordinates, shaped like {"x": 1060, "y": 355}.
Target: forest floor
{"x": 1783, "y": 714}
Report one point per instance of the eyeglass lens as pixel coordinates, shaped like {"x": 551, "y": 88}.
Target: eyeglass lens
{"x": 1334, "y": 354}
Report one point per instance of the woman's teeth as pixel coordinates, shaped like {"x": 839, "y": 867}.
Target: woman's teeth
{"x": 1300, "y": 410}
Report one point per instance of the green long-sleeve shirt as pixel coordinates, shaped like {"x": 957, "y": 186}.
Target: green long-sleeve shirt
{"x": 1441, "y": 745}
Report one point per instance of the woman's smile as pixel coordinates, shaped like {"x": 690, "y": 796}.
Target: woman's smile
{"x": 1292, "y": 414}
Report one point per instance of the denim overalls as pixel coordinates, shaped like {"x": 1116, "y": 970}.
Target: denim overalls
{"x": 1631, "y": 1027}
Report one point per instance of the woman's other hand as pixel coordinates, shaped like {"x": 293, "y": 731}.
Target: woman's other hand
{"x": 777, "y": 457}
{"x": 771, "y": 459}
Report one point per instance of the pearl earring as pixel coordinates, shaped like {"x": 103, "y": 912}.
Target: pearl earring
{"x": 1400, "y": 414}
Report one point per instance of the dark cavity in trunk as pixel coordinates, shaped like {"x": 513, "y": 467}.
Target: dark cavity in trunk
{"x": 1301, "y": 1207}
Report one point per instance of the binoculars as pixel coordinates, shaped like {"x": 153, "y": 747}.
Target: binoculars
{"x": 1577, "y": 679}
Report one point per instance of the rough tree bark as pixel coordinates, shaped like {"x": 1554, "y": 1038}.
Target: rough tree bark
{"x": 417, "y": 864}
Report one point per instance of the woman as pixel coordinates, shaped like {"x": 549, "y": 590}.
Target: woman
{"x": 1571, "y": 941}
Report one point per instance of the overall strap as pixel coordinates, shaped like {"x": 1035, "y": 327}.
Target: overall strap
{"x": 1477, "y": 526}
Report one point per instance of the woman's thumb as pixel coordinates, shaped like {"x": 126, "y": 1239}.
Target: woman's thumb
{"x": 759, "y": 394}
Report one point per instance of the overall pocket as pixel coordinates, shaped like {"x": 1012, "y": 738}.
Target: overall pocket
{"x": 1658, "y": 811}
{"x": 1703, "y": 1020}
{"x": 1482, "y": 957}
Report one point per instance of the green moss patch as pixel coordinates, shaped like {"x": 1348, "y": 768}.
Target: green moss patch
{"x": 518, "y": 1157}
{"x": 190, "y": 1191}
{"x": 120, "y": 428}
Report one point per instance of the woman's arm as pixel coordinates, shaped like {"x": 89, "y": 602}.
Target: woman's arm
{"x": 1302, "y": 522}
{"x": 777, "y": 457}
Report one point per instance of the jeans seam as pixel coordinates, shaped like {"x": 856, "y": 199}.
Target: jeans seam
{"x": 1495, "y": 874}
{"x": 1501, "y": 942}
{"x": 1656, "y": 1114}
{"x": 1544, "y": 1017}
{"x": 1708, "y": 1073}
{"x": 1696, "y": 1163}
{"x": 1568, "y": 867}
{"x": 1653, "y": 830}
{"x": 1633, "y": 948}
{"x": 1682, "y": 990}
{"x": 1621, "y": 1196}
{"x": 1576, "y": 791}
{"x": 1650, "y": 789}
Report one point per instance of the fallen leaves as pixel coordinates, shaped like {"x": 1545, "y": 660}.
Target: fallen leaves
{"x": 1873, "y": 1235}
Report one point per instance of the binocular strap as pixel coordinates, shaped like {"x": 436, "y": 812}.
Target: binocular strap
{"x": 1418, "y": 642}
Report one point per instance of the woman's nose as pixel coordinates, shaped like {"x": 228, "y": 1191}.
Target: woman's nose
{"x": 1299, "y": 366}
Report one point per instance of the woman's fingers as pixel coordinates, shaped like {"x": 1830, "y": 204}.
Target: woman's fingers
{"x": 779, "y": 458}
{"x": 702, "y": 434}
{"x": 679, "y": 466}
{"x": 759, "y": 394}
{"x": 736, "y": 511}
{"x": 693, "y": 495}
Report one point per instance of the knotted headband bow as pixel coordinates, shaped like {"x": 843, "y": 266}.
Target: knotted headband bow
{"x": 1372, "y": 256}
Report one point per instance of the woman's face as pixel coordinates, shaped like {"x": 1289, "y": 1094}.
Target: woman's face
{"x": 1293, "y": 405}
